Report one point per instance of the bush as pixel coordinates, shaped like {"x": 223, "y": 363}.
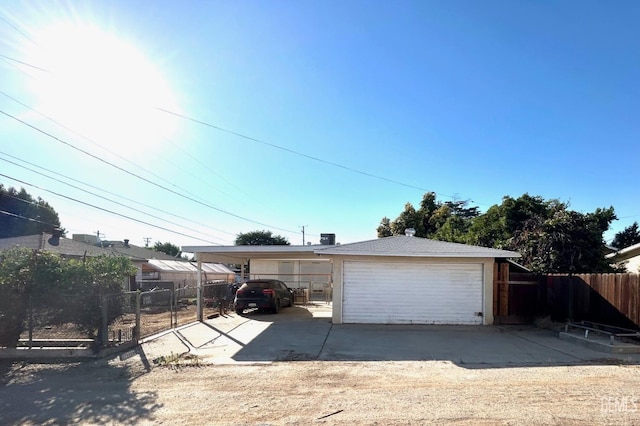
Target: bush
{"x": 59, "y": 290}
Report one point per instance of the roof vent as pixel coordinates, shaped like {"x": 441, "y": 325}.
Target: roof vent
{"x": 409, "y": 232}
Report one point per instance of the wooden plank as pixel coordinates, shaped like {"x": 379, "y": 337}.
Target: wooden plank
{"x": 504, "y": 289}
{"x": 496, "y": 279}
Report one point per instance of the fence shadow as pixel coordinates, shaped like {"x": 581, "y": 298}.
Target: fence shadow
{"x": 58, "y": 392}
{"x": 610, "y": 299}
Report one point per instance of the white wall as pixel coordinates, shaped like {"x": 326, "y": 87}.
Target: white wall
{"x": 338, "y": 268}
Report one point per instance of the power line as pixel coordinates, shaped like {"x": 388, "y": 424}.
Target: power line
{"x": 22, "y": 63}
{"x": 33, "y": 203}
{"x": 129, "y": 161}
{"x": 110, "y": 192}
{"x": 95, "y": 143}
{"x": 140, "y": 177}
{"x": 107, "y": 210}
{"x": 30, "y": 219}
{"x": 104, "y": 198}
{"x": 289, "y": 150}
{"x": 16, "y": 28}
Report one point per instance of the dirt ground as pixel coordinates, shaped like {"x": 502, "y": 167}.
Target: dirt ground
{"x": 121, "y": 391}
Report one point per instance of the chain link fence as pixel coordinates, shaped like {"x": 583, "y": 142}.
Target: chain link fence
{"x": 58, "y": 318}
{"x": 217, "y": 298}
{"x": 185, "y": 305}
{"x": 98, "y": 322}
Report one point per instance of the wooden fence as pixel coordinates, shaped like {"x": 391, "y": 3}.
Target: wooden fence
{"x": 612, "y": 299}
{"x": 517, "y": 296}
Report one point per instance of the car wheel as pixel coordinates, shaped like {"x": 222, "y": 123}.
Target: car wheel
{"x": 276, "y": 307}
{"x": 239, "y": 311}
{"x": 291, "y": 302}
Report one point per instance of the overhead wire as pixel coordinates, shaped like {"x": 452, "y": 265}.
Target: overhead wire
{"x": 141, "y": 177}
{"x": 104, "y": 198}
{"x": 285, "y": 149}
{"x": 30, "y": 219}
{"x": 131, "y": 200}
{"x": 204, "y": 123}
{"x": 107, "y": 210}
{"x": 157, "y": 176}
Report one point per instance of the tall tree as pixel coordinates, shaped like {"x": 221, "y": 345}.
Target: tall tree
{"x": 550, "y": 236}
{"x": 448, "y": 221}
{"x": 565, "y": 242}
{"x": 260, "y": 238}
{"x": 21, "y": 214}
{"x": 168, "y": 248}
{"x": 627, "y": 237}
{"x": 384, "y": 229}
{"x": 500, "y": 223}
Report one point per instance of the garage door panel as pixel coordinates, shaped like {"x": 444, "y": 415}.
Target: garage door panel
{"x": 412, "y": 293}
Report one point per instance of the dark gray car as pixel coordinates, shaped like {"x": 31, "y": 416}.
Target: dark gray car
{"x": 268, "y": 295}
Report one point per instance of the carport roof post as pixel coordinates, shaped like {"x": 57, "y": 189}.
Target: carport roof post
{"x": 405, "y": 246}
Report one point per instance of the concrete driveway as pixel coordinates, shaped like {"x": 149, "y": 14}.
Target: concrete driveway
{"x": 306, "y": 333}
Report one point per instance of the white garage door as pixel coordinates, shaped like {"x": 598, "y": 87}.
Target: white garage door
{"x": 412, "y": 293}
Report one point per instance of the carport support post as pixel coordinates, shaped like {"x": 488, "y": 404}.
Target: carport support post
{"x": 199, "y": 288}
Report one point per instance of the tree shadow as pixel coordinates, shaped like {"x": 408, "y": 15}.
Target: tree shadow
{"x": 64, "y": 392}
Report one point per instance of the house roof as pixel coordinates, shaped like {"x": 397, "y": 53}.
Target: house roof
{"x": 184, "y": 266}
{"x": 134, "y": 252}
{"x": 625, "y": 253}
{"x": 390, "y": 246}
{"x": 61, "y": 246}
{"x": 401, "y": 245}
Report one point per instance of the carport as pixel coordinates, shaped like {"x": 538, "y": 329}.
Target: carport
{"x": 298, "y": 266}
{"x": 392, "y": 280}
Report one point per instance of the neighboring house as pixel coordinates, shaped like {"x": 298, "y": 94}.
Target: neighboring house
{"x": 629, "y": 257}
{"x": 158, "y": 269}
{"x": 54, "y": 243}
{"x": 392, "y": 280}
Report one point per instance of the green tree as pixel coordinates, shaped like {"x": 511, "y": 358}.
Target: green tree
{"x": 260, "y": 238}
{"x": 565, "y": 242}
{"x": 384, "y": 229}
{"x": 21, "y": 214}
{"x": 409, "y": 218}
{"x": 168, "y": 248}
{"x": 58, "y": 290}
{"x": 550, "y": 236}
{"x": 448, "y": 221}
{"x": 24, "y": 274}
{"x": 92, "y": 279}
{"x": 627, "y": 237}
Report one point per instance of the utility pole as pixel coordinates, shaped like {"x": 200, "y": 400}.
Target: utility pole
{"x": 303, "y": 226}
{"x": 146, "y": 241}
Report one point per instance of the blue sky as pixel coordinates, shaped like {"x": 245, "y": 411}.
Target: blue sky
{"x": 472, "y": 100}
